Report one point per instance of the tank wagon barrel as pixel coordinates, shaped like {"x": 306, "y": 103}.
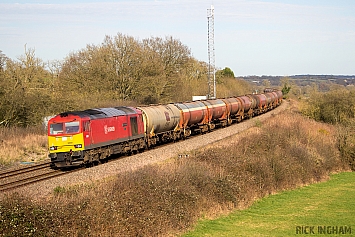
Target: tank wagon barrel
{"x": 192, "y": 113}
{"x": 160, "y": 118}
{"x": 160, "y": 123}
{"x": 217, "y": 109}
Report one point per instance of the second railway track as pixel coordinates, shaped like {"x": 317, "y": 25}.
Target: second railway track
{"x": 15, "y": 172}
{"x": 12, "y": 179}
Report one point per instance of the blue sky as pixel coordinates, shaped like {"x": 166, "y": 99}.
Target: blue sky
{"x": 252, "y": 37}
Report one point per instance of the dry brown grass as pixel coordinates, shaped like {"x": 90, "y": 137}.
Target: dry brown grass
{"x": 165, "y": 199}
{"x": 19, "y": 144}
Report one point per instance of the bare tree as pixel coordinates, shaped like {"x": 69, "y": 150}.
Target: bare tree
{"x": 3, "y": 59}
{"x": 23, "y": 93}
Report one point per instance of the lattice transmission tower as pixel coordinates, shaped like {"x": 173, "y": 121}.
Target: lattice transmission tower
{"x": 211, "y": 55}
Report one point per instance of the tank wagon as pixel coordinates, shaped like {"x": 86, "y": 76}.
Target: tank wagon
{"x": 160, "y": 123}
{"x": 235, "y": 109}
{"x": 193, "y": 117}
{"x": 91, "y": 136}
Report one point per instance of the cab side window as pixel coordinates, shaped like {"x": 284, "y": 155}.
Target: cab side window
{"x": 86, "y": 126}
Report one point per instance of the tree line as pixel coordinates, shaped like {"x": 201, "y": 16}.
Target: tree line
{"x": 122, "y": 70}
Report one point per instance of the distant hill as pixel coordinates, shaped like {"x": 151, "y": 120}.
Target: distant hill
{"x": 303, "y": 80}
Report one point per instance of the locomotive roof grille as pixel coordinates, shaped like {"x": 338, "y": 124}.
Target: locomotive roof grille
{"x": 112, "y": 112}
{"x": 127, "y": 110}
{"x": 101, "y": 112}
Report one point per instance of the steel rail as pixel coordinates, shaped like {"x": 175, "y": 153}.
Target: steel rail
{"x": 30, "y": 180}
{"x": 24, "y": 170}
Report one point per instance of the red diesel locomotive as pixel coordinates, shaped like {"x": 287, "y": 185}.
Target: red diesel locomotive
{"x": 84, "y": 137}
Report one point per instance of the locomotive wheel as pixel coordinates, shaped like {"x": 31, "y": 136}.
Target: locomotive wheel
{"x": 89, "y": 165}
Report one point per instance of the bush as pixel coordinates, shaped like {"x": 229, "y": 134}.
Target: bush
{"x": 346, "y": 144}
{"x": 336, "y": 107}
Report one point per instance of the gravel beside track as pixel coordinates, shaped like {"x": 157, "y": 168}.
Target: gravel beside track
{"x": 159, "y": 154}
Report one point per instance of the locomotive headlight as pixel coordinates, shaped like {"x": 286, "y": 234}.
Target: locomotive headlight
{"x": 53, "y": 148}
{"x": 78, "y": 146}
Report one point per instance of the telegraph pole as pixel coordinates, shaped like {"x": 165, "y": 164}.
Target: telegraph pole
{"x": 211, "y": 58}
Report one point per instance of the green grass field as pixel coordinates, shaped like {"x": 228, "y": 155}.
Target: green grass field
{"x": 322, "y": 209}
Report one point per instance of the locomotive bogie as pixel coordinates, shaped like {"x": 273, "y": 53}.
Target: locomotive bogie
{"x": 66, "y": 159}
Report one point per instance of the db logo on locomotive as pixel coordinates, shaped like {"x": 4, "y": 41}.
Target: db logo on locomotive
{"x": 108, "y": 129}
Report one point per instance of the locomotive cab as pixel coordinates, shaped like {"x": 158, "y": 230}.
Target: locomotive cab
{"x": 66, "y": 140}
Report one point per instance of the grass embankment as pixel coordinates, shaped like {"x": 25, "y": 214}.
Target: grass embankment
{"x": 326, "y": 208}
{"x": 20, "y": 144}
{"x": 286, "y": 152}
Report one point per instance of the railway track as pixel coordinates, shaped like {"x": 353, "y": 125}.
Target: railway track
{"x": 9, "y": 173}
{"x": 12, "y": 179}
